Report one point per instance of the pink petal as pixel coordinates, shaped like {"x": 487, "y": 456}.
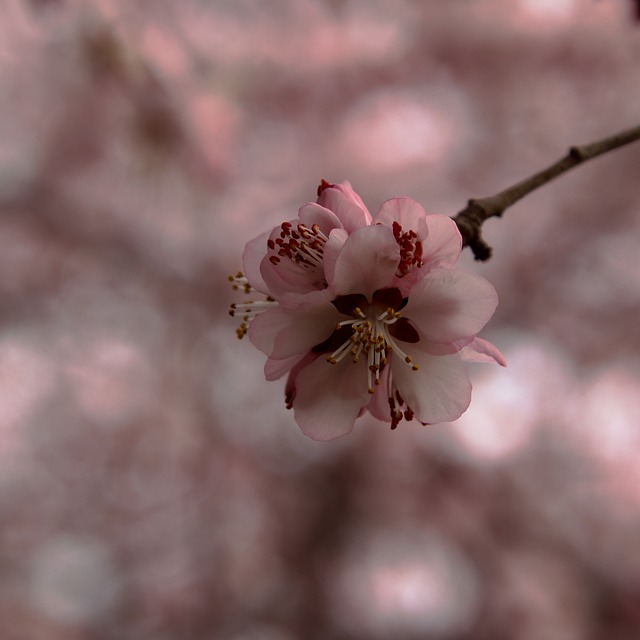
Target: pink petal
{"x": 332, "y": 249}
{"x": 281, "y": 333}
{"x": 449, "y": 304}
{"x": 346, "y": 189}
{"x": 306, "y": 301}
{"x": 407, "y": 212}
{"x": 265, "y": 327}
{"x": 443, "y": 242}
{"x": 312, "y": 213}
{"x": 347, "y": 206}
{"x": 328, "y": 398}
{"x": 254, "y": 251}
{"x": 483, "y": 351}
{"x": 440, "y": 391}
{"x": 274, "y": 369}
{"x": 367, "y": 262}
{"x": 442, "y": 348}
{"x": 288, "y": 277}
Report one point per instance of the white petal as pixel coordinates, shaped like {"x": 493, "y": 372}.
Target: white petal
{"x": 449, "y": 304}
{"x": 443, "y": 243}
{"x": 440, "y": 391}
{"x": 367, "y": 262}
{"x": 328, "y": 398}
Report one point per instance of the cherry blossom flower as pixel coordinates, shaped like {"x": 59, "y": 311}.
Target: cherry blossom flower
{"x": 290, "y": 258}
{"x": 365, "y": 314}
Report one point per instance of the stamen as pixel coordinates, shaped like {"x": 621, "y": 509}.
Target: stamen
{"x": 394, "y": 345}
{"x": 371, "y": 329}
{"x": 240, "y": 282}
{"x": 346, "y": 322}
{"x": 248, "y": 309}
{"x": 340, "y": 352}
{"x": 302, "y": 246}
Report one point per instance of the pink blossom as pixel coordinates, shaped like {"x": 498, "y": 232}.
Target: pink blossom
{"x": 291, "y": 257}
{"x": 366, "y": 314}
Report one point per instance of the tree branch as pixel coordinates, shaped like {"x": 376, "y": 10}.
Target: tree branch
{"x": 472, "y": 217}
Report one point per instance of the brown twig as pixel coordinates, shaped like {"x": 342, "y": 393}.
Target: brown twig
{"x": 472, "y": 217}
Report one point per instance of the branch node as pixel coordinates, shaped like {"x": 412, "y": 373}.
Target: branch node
{"x": 577, "y": 153}
{"x": 481, "y": 250}
{"x": 469, "y": 222}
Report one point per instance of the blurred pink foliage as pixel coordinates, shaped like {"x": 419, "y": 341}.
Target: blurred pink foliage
{"x": 151, "y": 484}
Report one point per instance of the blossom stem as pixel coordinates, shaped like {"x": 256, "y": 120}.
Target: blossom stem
{"x": 472, "y": 217}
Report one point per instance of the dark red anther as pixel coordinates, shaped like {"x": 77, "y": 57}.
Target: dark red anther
{"x": 410, "y": 249}
{"x": 274, "y": 260}
{"x": 271, "y": 244}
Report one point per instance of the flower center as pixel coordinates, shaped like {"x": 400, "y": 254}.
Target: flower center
{"x": 372, "y": 332}
{"x": 302, "y": 245}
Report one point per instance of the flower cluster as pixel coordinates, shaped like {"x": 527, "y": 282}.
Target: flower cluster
{"x": 365, "y": 313}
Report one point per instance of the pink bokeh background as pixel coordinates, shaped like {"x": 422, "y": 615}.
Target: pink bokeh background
{"x": 152, "y": 484}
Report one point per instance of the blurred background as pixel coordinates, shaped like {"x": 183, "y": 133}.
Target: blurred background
{"x": 152, "y": 484}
